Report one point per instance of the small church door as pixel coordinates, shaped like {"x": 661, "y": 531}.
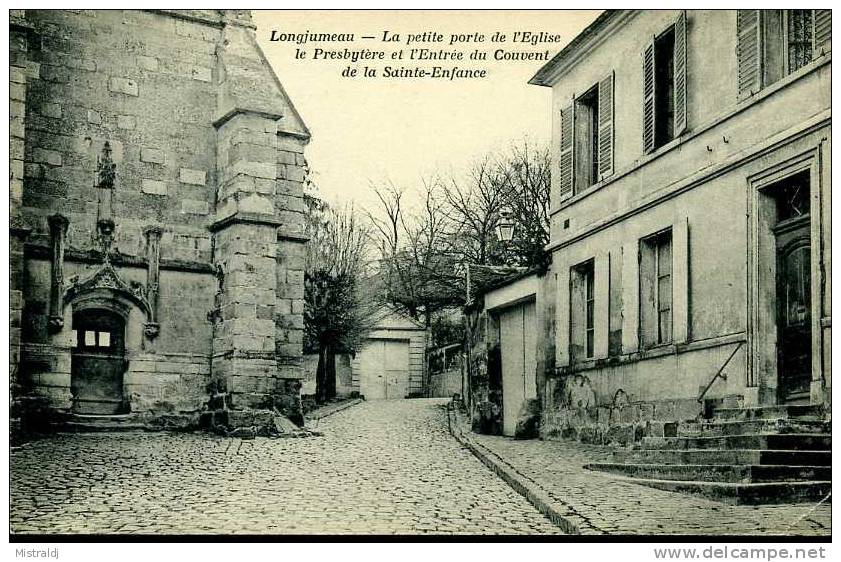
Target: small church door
{"x": 98, "y": 363}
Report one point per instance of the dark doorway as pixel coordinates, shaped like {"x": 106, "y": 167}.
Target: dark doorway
{"x": 794, "y": 289}
{"x": 98, "y": 363}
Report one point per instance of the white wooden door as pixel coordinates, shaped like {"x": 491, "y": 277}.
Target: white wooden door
{"x": 371, "y": 374}
{"x": 384, "y": 369}
{"x": 518, "y": 348}
{"x": 396, "y": 363}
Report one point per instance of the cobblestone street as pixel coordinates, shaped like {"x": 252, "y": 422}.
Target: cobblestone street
{"x": 387, "y": 467}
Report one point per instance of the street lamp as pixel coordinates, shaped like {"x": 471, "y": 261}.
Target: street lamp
{"x": 505, "y": 225}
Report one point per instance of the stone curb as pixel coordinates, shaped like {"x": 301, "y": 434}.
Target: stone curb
{"x": 562, "y": 515}
{"x": 326, "y": 411}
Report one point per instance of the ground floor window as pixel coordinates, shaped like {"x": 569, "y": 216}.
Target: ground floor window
{"x": 655, "y": 260}
{"x": 582, "y": 311}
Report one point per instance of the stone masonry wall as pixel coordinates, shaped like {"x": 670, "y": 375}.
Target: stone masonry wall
{"x": 209, "y": 152}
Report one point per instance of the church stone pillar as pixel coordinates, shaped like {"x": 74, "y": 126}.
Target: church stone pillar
{"x": 244, "y": 368}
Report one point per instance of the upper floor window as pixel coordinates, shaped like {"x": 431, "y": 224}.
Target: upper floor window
{"x": 586, "y": 139}
{"x": 664, "y": 86}
{"x": 771, "y": 44}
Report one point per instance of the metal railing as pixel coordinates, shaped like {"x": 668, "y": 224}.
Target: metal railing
{"x": 720, "y": 373}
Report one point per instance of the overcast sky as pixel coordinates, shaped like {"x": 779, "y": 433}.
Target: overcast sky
{"x": 367, "y": 130}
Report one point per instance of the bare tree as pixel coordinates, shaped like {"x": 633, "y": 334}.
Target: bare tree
{"x": 424, "y": 249}
{"x": 338, "y": 313}
{"x": 525, "y": 177}
{"x": 416, "y": 256}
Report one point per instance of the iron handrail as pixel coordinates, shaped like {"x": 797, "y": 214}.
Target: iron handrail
{"x": 719, "y": 373}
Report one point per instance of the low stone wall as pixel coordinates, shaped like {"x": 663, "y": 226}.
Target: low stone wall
{"x": 344, "y": 374}
{"x": 445, "y": 384}
{"x": 573, "y": 411}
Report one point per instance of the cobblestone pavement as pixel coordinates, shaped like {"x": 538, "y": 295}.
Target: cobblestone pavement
{"x": 381, "y": 467}
{"x": 611, "y": 505}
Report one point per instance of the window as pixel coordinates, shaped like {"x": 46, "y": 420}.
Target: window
{"x": 582, "y": 311}
{"x": 771, "y": 44}
{"x": 664, "y": 86}
{"x": 92, "y": 338}
{"x": 786, "y": 42}
{"x": 792, "y": 197}
{"x": 655, "y": 259}
{"x": 664, "y": 79}
{"x": 586, "y": 139}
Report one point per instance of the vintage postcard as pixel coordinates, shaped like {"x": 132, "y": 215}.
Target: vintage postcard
{"x": 445, "y": 274}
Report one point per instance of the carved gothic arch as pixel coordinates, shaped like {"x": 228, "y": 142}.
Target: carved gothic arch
{"x": 106, "y": 289}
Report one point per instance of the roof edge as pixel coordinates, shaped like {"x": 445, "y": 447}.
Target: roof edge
{"x": 579, "y": 46}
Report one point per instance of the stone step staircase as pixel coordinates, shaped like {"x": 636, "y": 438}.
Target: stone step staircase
{"x": 769, "y": 454}
{"x": 94, "y": 423}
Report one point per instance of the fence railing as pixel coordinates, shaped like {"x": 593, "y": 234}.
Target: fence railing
{"x": 720, "y": 373}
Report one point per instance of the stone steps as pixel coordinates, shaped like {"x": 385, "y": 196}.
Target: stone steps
{"x": 783, "y": 441}
{"x": 755, "y": 426}
{"x": 767, "y": 454}
{"x": 750, "y": 473}
{"x": 96, "y": 423}
{"x": 747, "y": 494}
{"x": 724, "y": 457}
{"x": 807, "y": 412}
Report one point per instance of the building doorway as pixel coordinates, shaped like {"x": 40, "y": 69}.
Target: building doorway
{"x": 384, "y": 369}
{"x": 98, "y": 363}
{"x": 793, "y": 288}
{"x": 518, "y": 347}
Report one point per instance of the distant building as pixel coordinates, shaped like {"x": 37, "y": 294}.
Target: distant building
{"x": 156, "y": 219}
{"x": 690, "y": 215}
{"x": 390, "y": 363}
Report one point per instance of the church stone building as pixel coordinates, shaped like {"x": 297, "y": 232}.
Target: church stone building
{"x": 156, "y": 220}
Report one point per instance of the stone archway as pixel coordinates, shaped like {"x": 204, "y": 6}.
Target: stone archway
{"x": 110, "y": 319}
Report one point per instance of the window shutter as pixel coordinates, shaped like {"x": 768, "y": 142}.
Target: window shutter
{"x": 565, "y": 168}
{"x": 648, "y": 99}
{"x": 680, "y": 74}
{"x": 821, "y": 38}
{"x": 647, "y": 294}
{"x": 748, "y": 59}
{"x": 606, "y": 140}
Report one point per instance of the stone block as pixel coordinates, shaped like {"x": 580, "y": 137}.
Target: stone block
{"x": 152, "y": 155}
{"x": 57, "y": 74}
{"x": 193, "y": 207}
{"x": 45, "y": 156}
{"x": 17, "y": 75}
{"x": 254, "y": 169}
{"x": 126, "y": 122}
{"x": 33, "y": 69}
{"x": 125, "y": 86}
{"x": 17, "y": 109}
{"x": 94, "y": 117}
{"x": 52, "y": 110}
{"x": 153, "y": 187}
{"x": 201, "y": 73}
{"x": 17, "y": 92}
{"x": 193, "y": 177}
{"x": 147, "y": 63}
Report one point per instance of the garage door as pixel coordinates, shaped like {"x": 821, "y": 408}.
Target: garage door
{"x": 384, "y": 369}
{"x": 518, "y": 345}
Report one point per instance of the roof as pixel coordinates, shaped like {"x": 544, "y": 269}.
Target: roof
{"x": 546, "y": 76}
